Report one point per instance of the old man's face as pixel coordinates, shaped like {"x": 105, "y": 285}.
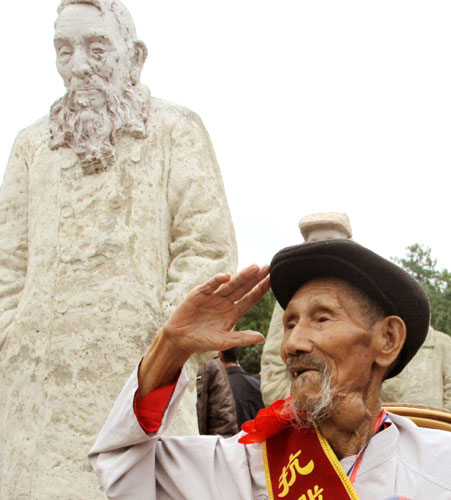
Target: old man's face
{"x": 327, "y": 345}
{"x": 90, "y": 50}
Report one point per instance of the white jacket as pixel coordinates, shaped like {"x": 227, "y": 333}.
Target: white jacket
{"x": 400, "y": 460}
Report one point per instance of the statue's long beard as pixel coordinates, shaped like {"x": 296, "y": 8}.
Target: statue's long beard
{"x": 93, "y": 131}
{"x": 308, "y": 410}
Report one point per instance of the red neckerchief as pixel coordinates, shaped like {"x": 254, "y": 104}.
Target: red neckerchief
{"x": 268, "y": 422}
{"x": 272, "y": 420}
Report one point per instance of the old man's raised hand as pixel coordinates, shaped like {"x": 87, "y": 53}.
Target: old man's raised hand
{"x": 203, "y": 322}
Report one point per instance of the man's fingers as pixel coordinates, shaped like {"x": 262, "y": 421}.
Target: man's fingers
{"x": 249, "y": 337}
{"x": 249, "y": 284}
{"x": 243, "y": 282}
{"x": 241, "y": 339}
{"x": 252, "y": 297}
{"x": 214, "y": 283}
{"x": 238, "y": 280}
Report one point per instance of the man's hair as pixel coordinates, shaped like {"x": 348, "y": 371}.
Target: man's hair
{"x": 370, "y": 308}
{"x": 119, "y": 11}
{"x": 230, "y": 355}
{"x": 373, "y": 311}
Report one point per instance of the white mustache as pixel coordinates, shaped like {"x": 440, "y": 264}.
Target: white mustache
{"x": 310, "y": 360}
{"x": 92, "y": 82}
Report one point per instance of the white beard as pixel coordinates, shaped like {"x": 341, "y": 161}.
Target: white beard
{"x": 92, "y": 131}
{"x": 308, "y": 411}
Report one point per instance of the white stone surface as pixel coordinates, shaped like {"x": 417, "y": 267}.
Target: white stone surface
{"x": 91, "y": 262}
{"x": 426, "y": 380}
{"x": 325, "y": 226}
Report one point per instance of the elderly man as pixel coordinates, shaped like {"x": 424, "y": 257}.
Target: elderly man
{"x": 112, "y": 209}
{"x": 427, "y": 379}
{"x": 351, "y": 320}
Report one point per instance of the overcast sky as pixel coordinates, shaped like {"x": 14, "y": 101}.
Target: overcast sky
{"x": 311, "y": 106}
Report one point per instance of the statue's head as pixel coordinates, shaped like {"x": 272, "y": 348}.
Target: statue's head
{"x": 97, "y": 38}
{"x": 100, "y": 60}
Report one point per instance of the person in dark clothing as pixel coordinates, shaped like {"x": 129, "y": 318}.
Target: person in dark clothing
{"x": 215, "y": 402}
{"x": 246, "y": 389}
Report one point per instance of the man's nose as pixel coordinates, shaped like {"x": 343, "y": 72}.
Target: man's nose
{"x": 80, "y": 67}
{"x": 297, "y": 340}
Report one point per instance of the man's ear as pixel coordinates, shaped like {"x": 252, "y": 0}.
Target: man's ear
{"x": 391, "y": 335}
{"x": 138, "y": 60}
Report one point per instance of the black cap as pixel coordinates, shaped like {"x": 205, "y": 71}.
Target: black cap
{"x": 389, "y": 285}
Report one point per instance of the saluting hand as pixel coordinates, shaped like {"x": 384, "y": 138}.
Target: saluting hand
{"x": 204, "y": 321}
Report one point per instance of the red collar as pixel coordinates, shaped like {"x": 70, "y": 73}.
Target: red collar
{"x": 272, "y": 420}
{"x": 268, "y": 422}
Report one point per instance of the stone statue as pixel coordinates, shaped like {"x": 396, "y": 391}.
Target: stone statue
{"x": 427, "y": 378}
{"x": 275, "y": 382}
{"x": 111, "y": 210}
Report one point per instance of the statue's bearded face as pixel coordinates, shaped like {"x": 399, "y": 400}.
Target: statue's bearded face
{"x": 102, "y": 100}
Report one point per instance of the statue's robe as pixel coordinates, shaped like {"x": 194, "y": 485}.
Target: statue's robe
{"x": 90, "y": 267}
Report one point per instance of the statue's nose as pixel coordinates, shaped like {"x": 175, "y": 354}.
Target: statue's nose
{"x": 81, "y": 67}
{"x": 81, "y": 70}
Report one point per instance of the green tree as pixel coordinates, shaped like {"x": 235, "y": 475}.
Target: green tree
{"x": 258, "y": 319}
{"x": 437, "y": 283}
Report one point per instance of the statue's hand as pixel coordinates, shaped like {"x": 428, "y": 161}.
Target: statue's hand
{"x": 205, "y": 319}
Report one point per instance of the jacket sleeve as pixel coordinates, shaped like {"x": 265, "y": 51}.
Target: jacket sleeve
{"x": 275, "y": 383}
{"x": 13, "y": 233}
{"x": 123, "y": 452}
{"x": 133, "y": 464}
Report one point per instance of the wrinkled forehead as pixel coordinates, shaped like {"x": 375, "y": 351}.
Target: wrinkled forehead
{"x": 330, "y": 289}
{"x": 111, "y": 19}
{"x": 85, "y": 20}
{"x": 100, "y": 4}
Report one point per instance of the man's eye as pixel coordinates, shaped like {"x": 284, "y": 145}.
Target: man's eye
{"x": 323, "y": 319}
{"x": 64, "y": 52}
{"x": 290, "y": 325}
{"x": 97, "y": 50}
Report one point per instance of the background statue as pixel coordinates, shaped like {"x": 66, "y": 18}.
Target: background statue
{"x": 275, "y": 381}
{"x": 111, "y": 210}
{"x": 427, "y": 378}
